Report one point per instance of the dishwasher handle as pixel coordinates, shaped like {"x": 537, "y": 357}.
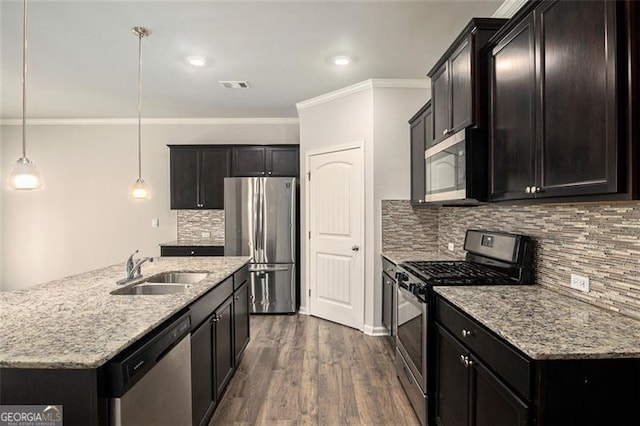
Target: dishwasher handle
{"x": 126, "y": 369}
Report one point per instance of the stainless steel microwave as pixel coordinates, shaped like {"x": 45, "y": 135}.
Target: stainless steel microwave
{"x": 456, "y": 169}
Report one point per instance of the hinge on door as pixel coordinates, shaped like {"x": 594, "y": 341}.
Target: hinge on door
{"x": 309, "y": 292}
{"x": 309, "y": 234}
{"x": 309, "y": 176}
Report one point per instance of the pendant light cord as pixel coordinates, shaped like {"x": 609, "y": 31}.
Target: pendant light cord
{"x": 24, "y": 80}
{"x": 140, "y": 35}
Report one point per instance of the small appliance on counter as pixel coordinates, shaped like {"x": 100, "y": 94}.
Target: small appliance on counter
{"x": 493, "y": 258}
{"x": 260, "y": 221}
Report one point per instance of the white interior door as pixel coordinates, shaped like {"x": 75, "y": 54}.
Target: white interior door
{"x": 336, "y": 224}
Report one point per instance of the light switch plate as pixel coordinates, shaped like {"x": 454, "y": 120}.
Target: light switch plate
{"x": 580, "y": 282}
{"x": 205, "y": 234}
{"x": 155, "y": 223}
{"x": 451, "y": 247}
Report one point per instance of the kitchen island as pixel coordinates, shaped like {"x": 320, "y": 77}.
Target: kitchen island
{"x": 56, "y": 338}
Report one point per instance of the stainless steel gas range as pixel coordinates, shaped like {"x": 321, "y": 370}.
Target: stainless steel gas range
{"x": 493, "y": 258}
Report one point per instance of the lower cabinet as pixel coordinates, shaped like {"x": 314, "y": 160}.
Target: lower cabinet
{"x": 241, "y": 320}
{"x": 482, "y": 380}
{"x": 214, "y": 343}
{"x": 468, "y": 393}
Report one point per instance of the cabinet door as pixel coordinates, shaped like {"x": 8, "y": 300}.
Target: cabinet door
{"x": 202, "y": 396}
{"x": 282, "y": 161}
{"x": 418, "y": 146}
{"x": 248, "y": 161}
{"x": 512, "y": 130}
{"x": 452, "y": 381}
{"x": 223, "y": 349}
{"x": 493, "y": 403}
{"x": 184, "y": 178}
{"x": 214, "y": 167}
{"x": 440, "y": 103}
{"x": 578, "y": 124}
{"x": 461, "y": 88}
{"x": 388, "y": 292}
{"x": 240, "y": 320}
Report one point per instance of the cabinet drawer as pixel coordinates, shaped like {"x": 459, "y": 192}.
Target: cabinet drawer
{"x": 192, "y": 251}
{"x": 504, "y": 360}
{"x": 240, "y": 277}
{"x": 389, "y": 267}
{"x": 205, "y": 305}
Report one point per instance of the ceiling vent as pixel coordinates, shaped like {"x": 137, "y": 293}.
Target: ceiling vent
{"x": 234, "y": 84}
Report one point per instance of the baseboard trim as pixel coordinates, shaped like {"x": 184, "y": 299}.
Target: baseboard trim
{"x": 302, "y": 310}
{"x": 375, "y": 331}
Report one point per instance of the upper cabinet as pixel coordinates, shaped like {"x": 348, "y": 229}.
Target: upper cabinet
{"x": 258, "y": 161}
{"x": 420, "y": 125}
{"x": 558, "y": 78}
{"x": 458, "y": 81}
{"x": 197, "y": 176}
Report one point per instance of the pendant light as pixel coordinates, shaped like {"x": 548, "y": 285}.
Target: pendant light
{"x": 24, "y": 175}
{"x": 139, "y": 189}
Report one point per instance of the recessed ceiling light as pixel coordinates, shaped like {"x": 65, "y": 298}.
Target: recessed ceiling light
{"x": 196, "y": 61}
{"x": 341, "y": 60}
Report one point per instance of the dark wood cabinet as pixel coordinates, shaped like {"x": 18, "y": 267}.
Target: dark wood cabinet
{"x": 257, "y": 161}
{"x": 512, "y": 125}
{"x": 458, "y": 81}
{"x": 223, "y": 345}
{"x": 202, "y": 392}
{"x": 389, "y": 299}
{"x": 558, "y": 102}
{"x": 420, "y": 125}
{"x": 191, "y": 250}
{"x": 482, "y": 380}
{"x": 197, "y": 176}
{"x": 220, "y": 334}
{"x": 241, "y": 320}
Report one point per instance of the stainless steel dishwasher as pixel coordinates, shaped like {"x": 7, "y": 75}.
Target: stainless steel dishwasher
{"x": 151, "y": 383}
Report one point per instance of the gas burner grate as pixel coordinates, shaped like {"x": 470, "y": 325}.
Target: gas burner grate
{"x": 446, "y": 272}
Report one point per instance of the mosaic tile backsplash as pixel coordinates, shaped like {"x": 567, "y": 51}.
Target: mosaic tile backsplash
{"x": 192, "y": 223}
{"x": 407, "y": 229}
{"x": 601, "y": 241}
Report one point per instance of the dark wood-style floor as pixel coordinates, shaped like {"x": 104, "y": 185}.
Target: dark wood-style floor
{"x": 301, "y": 370}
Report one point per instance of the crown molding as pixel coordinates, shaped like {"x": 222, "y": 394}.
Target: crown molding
{"x": 394, "y": 83}
{"x": 508, "y": 8}
{"x": 153, "y": 121}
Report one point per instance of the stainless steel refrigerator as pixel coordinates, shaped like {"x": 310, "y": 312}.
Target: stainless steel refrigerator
{"x": 260, "y": 221}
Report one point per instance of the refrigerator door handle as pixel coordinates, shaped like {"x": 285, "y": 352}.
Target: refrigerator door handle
{"x": 268, "y": 269}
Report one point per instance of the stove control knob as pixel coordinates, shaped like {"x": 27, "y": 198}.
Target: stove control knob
{"x": 400, "y": 276}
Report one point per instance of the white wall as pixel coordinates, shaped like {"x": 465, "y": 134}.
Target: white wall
{"x": 374, "y": 112}
{"x": 84, "y": 219}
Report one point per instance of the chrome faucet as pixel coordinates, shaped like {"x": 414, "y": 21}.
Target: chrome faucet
{"x": 133, "y": 267}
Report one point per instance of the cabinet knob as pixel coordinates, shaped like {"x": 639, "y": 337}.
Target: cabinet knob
{"x": 193, "y": 252}
{"x": 215, "y": 318}
{"x": 269, "y": 173}
{"x": 236, "y": 297}
{"x": 388, "y": 269}
{"x": 420, "y": 201}
{"x": 538, "y": 189}
{"x": 445, "y": 131}
{"x": 263, "y": 173}
{"x": 527, "y": 190}
{"x": 467, "y": 333}
{"x": 464, "y": 360}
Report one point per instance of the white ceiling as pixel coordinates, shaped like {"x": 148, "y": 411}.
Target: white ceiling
{"x": 82, "y": 57}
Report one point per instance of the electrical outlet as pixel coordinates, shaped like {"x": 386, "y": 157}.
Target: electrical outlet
{"x": 580, "y": 282}
{"x": 155, "y": 223}
{"x": 451, "y": 247}
{"x": 205, "y": 234}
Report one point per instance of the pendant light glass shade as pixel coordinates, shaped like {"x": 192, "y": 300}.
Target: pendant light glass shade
{"x": 139, "y": 190}
{"x": 24, "y": 175}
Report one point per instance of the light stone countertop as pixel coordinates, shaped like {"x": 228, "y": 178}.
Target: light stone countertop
{"x": 188, "y": 243}
{"x": 75, "y": 323}
{"x": 398, "y": 257}
{"x": 547, "y": 325}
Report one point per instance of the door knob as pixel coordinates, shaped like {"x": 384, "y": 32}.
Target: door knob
{"x": 355, "y": 248}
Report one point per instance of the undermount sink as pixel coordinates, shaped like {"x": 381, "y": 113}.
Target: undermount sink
{"x": 151, "y": 289}
{"x": 177, "y": 277}
{"x": 162, "y": 283}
